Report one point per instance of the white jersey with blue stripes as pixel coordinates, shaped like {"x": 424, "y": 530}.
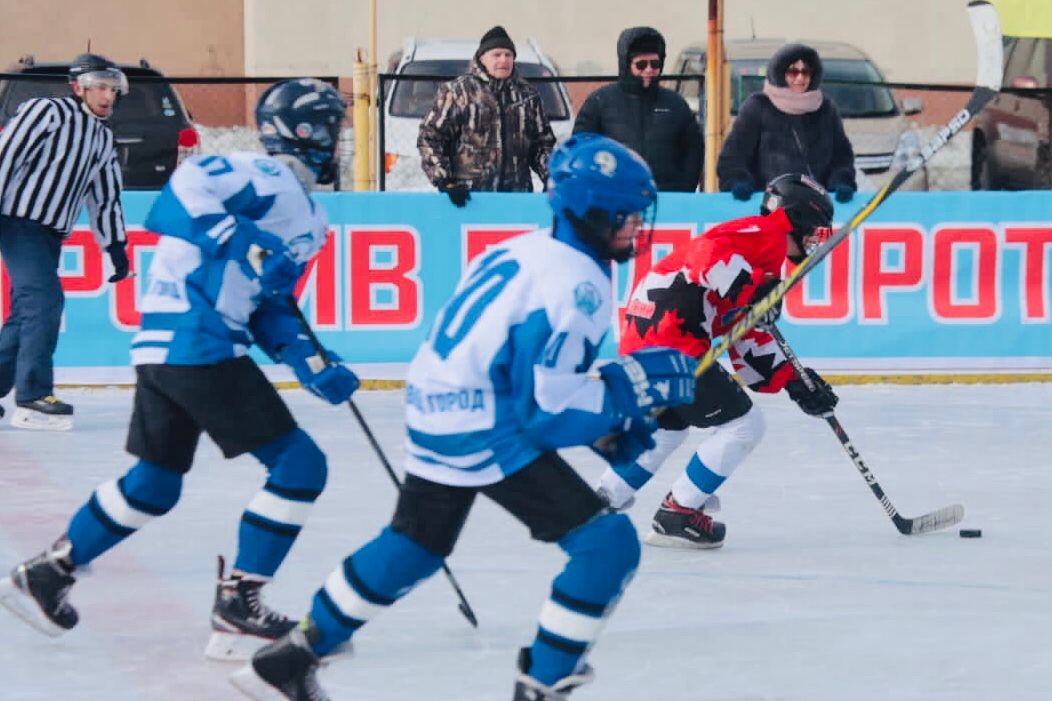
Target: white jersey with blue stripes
{"x": 503, "y": 374}
{"x": 198, "y": 298}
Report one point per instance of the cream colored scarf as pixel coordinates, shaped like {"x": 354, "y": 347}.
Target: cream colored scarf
{"x": 790, "y": 102}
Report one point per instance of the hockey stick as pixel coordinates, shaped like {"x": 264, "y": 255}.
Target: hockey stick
{"x": 944, "y": 517}
{"x": 464, "y": 606}
{"x": 987, "y": 31}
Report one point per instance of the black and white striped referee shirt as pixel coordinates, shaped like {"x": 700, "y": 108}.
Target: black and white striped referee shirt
{"x": 55, "y": 156}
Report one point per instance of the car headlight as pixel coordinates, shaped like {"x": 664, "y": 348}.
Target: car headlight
{"x": 909, "y": 145}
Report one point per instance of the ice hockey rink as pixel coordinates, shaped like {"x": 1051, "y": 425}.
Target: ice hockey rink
{"x": 815, "y": 596}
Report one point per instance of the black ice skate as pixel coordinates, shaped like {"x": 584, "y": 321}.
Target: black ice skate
{"x": 241, "y": 622}
{"x": 44, "y": 414}
{"x": 284, "y": 670}
{"x": 676, "y": 526}
{"x": 529, "y": 689}
{"x": 36, "y": 590}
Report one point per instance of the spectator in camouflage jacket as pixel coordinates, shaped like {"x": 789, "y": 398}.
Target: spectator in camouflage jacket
{"x": 487, "y": 129}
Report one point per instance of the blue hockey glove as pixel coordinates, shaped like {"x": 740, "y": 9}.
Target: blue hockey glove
{"x": 278, "y": 272}
{"x": 623, "y": 447}
{"x": 331, "y": 381}
{"x": 817, "y": 402}
{"x": 264, "y": 257}
{"x": 648, "y": 379}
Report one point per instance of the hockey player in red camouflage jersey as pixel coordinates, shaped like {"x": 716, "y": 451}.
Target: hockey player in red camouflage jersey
{"x": 696, "y": 294}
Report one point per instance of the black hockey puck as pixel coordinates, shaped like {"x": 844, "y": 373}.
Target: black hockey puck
{"x": 971, "y": 533}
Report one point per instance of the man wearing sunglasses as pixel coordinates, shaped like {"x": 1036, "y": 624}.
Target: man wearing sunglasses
{"x": 653, "y": 121}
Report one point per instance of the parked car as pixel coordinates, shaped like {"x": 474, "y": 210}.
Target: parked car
{"x": 151, "y": 125}
{"x": 1010, "y": 143}
{"x": 407, "y": 101}
{"x": 876, "y": 124}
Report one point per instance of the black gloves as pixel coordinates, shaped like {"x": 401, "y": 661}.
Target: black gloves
{"x": 742, "y": 191}
{"x": 844, "y": 193}
{"x": 817, "y": 402}
{"x": 119, "y": 256}
{"x": 458, "y": 192}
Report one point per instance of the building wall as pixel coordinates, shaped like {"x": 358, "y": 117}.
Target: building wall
{"x": 184, "y": 38}
{"x": 926, "y": 41}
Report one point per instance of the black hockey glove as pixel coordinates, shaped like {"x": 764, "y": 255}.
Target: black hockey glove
{"x": 119, "y": 257}
{"x": 818, "y": 401}
{"x": 458, "y": 193}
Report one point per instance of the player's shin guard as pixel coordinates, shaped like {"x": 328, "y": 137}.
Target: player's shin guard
{"x": 370, "y": 580}
{"x": 619, "y": 483}
{"x": 604, "y": 554}
{"x": 273, "y": 519}
{"x": 717, "y": 458}
{"x": 120, "y": 507}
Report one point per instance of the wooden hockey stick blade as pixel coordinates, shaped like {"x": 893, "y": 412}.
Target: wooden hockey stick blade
{"x": 934, "y": 521}
{"x": 990, "y": 54}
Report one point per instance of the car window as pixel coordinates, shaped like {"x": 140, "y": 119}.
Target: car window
{"x": 144, "y": 101}
{"x": 18, "y": 91}
{"x": 1019, "y": 58}
{"x": 692, "y": 65}
{"x": 1030, "y": 58}
{"x": 747, "y": 77}
{"x": 413, "y": 98}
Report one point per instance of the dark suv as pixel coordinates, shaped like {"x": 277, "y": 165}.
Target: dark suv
{"x": 1011, "y": 147}
{"x": 152, "y": 127}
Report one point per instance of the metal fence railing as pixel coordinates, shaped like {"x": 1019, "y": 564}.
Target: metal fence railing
{"x": 220, "y": 111}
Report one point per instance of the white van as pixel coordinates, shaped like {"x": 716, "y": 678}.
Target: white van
{"x": 407, "y": 101}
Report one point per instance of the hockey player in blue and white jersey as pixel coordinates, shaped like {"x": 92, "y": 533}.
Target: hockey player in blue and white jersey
{"x": 236, "y": 234}
{"x": 505, "y": 378}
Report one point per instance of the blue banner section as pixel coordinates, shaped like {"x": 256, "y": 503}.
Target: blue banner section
{"x": 932, "y": 282}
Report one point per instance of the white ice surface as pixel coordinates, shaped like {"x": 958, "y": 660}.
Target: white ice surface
{"x": 815, "y": 596}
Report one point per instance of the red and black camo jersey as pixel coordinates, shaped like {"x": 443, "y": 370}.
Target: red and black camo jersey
{"x": 696, "y": 292}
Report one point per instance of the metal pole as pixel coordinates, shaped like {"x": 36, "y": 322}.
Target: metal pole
{"x": 362, "y": 147}
{"x": 374, "y": 152}
{"x": 713, "y": 93}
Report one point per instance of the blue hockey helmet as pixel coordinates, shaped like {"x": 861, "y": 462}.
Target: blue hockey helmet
{"x": 302, "y": 117}
{"x": 597, "y": 185}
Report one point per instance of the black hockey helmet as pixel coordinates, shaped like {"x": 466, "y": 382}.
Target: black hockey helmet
{"x": 87, "y": 69}
{"x": 302, "y": 117}
{"x": 806, "y": 203}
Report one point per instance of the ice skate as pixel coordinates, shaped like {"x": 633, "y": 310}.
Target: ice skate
{"x": 676, "y": 526}
{"x": 241, "y": 622}
{"x": 529, "y": 689}
{"x": 36, "y": 590}
{"x": 284, "y": 670}
{"x": 45, "y": 414}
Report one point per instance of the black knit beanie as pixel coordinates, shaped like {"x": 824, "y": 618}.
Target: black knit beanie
{"x": 495, "y": 38}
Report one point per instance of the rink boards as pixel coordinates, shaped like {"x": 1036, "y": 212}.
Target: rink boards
{"x": 932, "y": 283}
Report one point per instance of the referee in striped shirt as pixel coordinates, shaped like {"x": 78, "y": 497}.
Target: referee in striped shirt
{"x": 56, "y": 155}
